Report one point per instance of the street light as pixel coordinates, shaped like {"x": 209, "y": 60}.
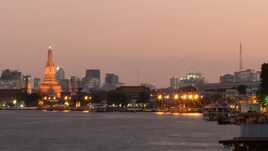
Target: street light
{"x": 167, "y": 97}
{"x": 176, "y": 97}
{"x": 159, "y": 97}
{"x": 14, "y": 102}
{"x": 66, "y": 98}
{"x": 196, "y": 97}
{"x": 184, "y": 97}
{"x": 190, "y": 97}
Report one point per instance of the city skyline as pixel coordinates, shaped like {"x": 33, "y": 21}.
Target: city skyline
{"x": 151, "y": 45}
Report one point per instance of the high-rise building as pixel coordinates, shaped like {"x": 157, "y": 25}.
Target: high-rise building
{"x": 60, "y": 74}
{"x": 75, "y": 84}
{"x": 11, "y": 75}
{"x": 65, "y": 85}
{"x": 111, "y": 78}
{"x": 27, "y": 81}
{"x": 92, "y": 79}
{"x": 174, "y": 83}
{"x": 50, "y": 85}
{"x": 36, "y": 83}
{"x": 111, "y": 82}
{"x": 246, "y": 76}
{"x": 11, "y": 79}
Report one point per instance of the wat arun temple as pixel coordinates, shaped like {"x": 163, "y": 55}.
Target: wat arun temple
{"x": 50, "y": 85}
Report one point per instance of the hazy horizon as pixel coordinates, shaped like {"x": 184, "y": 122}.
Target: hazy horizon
{"x": 150, "y": 40}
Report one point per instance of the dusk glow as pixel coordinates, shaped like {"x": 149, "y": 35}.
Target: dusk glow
{"x": 141, "y": 40}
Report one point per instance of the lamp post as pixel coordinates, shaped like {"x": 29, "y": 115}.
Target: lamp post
{"x": 160, "y": 98}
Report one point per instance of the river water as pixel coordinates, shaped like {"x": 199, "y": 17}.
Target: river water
{"x": 79, "y": 131}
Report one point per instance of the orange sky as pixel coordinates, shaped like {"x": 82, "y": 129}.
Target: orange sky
{"x": 156, "y": 38}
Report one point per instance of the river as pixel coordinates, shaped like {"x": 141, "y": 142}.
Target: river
{"x": 79, "y": 131}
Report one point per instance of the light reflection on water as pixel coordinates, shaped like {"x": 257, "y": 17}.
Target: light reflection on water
{"x": 77, "y": 131}
{"x": 179, "y": 114}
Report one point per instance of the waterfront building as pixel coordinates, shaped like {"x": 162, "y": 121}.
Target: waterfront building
{"x": 135, "y": 94}
{"x": 227, "y": 78}
{"x": 149, "y": 85}
{"x": 50, "y": 85}
{"x": 248, "y": 75}
{"x": 8, "y": 97}
{"x": 192, "y": 79}
{"x": 242, "y": 76}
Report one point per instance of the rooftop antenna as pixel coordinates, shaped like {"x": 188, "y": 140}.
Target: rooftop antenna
{"x": 240, "y": 57}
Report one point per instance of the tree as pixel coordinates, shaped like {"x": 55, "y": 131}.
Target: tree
{"x": 28, "y": 99}
{"x": 144, "y": 97}
{"x": 263, "y": 92}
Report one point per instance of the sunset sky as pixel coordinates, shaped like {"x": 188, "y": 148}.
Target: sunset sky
{"x": 150, "y": 39}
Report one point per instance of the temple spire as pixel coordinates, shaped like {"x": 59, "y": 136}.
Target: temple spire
{"x": 50, "y": 56}
{"x": 50, "y": 85}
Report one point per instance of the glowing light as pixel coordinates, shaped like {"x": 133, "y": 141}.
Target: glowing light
{"x": 14, "y": 102}
{"x": 160, "y": 97}
{"x": 159, "y": 113}
{"x": 66, "y": 98}
{"x": 175, "y": 114}
{"x": 184, "y": 97}
{"x": 196, "y": 97}
{"x": 21, "y": 105}
{"x": 66, "y": 103}
{"x": 190, "y": 96}
{"x": 77, "y": 104}
{"x": 57, "y": 68}
{"x": 167, "y": 97}
{"x": 86, "y": 97}
{"x": 66, "y": 111}
{"x": 192, "y": 114}
{"x": 45, "y": 98}
{"x": 168, "y": 113}
{"x": 40, "y": 103}
{"x": 86, "y": 111}
{"x": 176, "y": 96}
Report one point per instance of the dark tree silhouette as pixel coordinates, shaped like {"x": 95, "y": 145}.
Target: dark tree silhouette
{"x": 263, "y": 92}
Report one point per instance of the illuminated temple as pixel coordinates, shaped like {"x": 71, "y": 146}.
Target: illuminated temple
{"x": 50, "y": 86}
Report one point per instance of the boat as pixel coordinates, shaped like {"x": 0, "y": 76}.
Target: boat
{"x": 213, "y": 112}
{"x": 253, "y": 133}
